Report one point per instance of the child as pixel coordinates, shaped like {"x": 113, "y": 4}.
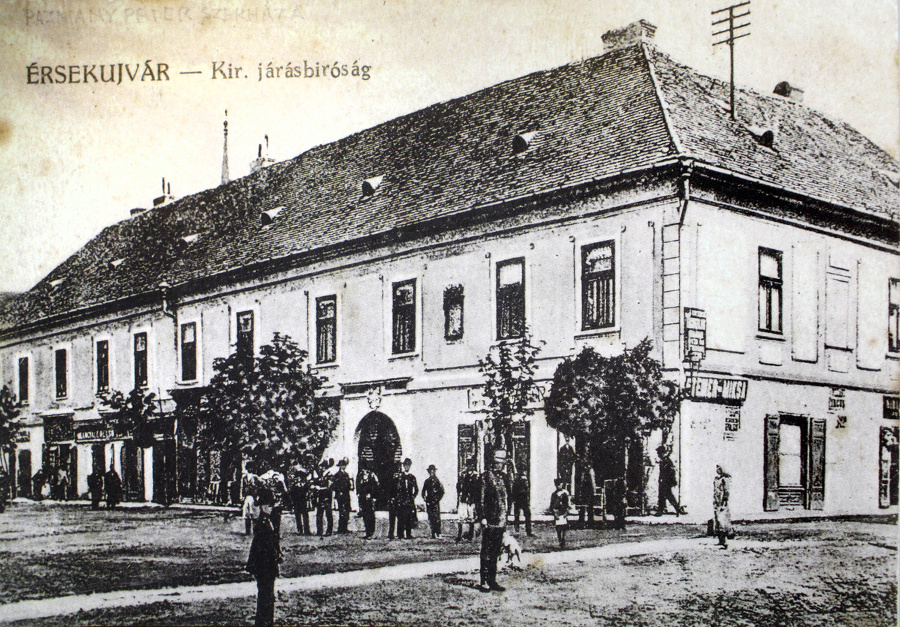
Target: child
{"x": 559, "y": 507}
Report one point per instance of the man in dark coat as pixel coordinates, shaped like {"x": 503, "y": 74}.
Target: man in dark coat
{"x": 299, "y": 495}
{"x": 264, "y": 558}
{"x": 367, "y": 491}
{"x": 4, "y": 489}
{"x": 668, "y": 479}
{"x": 113, "y": 484}
{"x": 492, "y": 509}
{"x": 323, "y": 506}
{"x": 342, "y": 484}
{"x": 521, "y": 497}
{"x": 407, "y": 490}
{"x": 433, "y": 492}
{"x": 394, "y": 502}
{"x": 95, "y": 487}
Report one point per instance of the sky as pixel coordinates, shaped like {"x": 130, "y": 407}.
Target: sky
{"x": 76, "y": 157}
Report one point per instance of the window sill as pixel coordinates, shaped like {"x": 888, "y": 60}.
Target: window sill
{"x": 892, "y": 355}
{"x": 775, "y": 337}
{"x": 330, "y": 365}
{"x": 400, "y": 356}
{"x": 606, "y": 332}
{"x": 187, "y": 383}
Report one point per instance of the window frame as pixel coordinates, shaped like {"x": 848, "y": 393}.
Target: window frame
{"x": 893, "y": 316}
{"x": 454, "y": 296}
{"x": 29, "y": 378}
{"x": 500, "y": 300}
{"x": 319, "y": 330}
{"x": 583, "y": 250}
{"x": 65, "y": 350}
{"x": 99, "y": 389}
{"x": 138, "y": 385}
{"x": 237, "y": 329}
{"x": 410, "y": 311}
{"x": 197, "y": 353}
{"x": 766, "y": 287}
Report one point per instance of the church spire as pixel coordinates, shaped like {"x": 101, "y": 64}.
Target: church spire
{"x": 225, "y": 177}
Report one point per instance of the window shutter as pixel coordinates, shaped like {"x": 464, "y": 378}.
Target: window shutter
{"x": 817, "y": 465}
{"x": 773, "y": 422}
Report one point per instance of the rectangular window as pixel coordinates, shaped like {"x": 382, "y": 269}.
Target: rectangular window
{"x": 453, "y": 312}
{"x": 510, "y": 299}
{"x": 326, "y": 329}
{"x": 23, "y": 379}
{"x": 245, "y": 333}
{"x": 770, "y": 288}
{"x": 62, "y": 380}
{"x": 140, "y": 360}
{"x": 598, "y": 286}
{"x": 404, "y": 317}
{"x": 189, "y": 351}
{"x": 103, "y": 366}
{"x": 893, "y": 315}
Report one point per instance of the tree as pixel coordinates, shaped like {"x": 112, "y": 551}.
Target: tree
{"x": 611, "y": 401}
{"x": 264, "y": 410}
{"x": 8, "y": 424}
{"x": 509, "y": 387}
{"x": 135, "y": 411}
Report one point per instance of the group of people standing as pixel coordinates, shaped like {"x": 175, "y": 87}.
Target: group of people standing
{"x": 55, "y": 484}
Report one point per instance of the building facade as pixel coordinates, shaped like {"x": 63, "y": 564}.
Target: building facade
{"x": 600, "y": 203}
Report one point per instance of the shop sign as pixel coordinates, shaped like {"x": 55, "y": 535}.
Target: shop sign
{"x": 892, "y": 407}
{"x": 23, "y": 436}
{"x": 732, "y": 422}
{"x": 836, "y": 400}
{"x": 718, "y": 389}
{"x": 694, "y": 335}
{"x": 58, "y": 429}
{"x": 101, "y": 430}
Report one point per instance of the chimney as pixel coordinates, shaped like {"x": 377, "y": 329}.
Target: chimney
{"x": 262, "y": 159}
{"x": 166, "y": 195}
{"x": 787, "y": 90}
{"x": 636, "y": 32}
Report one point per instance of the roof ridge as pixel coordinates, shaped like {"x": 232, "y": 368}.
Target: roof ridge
{"x": 663, "y": 105}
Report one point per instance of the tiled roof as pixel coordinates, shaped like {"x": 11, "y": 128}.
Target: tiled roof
{"x": 592, "y": 119}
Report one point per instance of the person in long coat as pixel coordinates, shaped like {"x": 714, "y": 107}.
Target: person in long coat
{"x": 432, "y": 493}
{"x": 324, "y": 515}
{"x": 264, "y": 559}
{"x": 407, "y": 490}
{"x": 492, "y": 508}
{"x": 342, "y": 484}
{"x": 95, "y": 487}
{"x": 299, "y": 496}
{"x": 367, "y": 491}
{"x": 721, "y": 509}
{"x": 112, "y": 482}
{"x": 521, "y": 498}
{"x": 668, "y": 479}
{"x": 394, "y": 500}
{"x": 559, "y": 507}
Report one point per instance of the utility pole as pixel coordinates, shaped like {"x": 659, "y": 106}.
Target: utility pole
{"x": 731, "y": 35}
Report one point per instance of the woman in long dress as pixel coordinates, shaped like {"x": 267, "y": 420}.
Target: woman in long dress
{"x": 721, "y": 511}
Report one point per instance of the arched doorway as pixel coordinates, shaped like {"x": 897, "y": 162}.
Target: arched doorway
{"x": 379, "y": 451}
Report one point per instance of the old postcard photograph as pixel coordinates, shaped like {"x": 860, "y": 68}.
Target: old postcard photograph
{"x": 339, "y": 312}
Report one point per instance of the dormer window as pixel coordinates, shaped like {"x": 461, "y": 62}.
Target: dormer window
{"x": 268, "y": 217}
{"x": 115, "y": 263}
{"x": 56, "y": 283}
{"x": 183, "y": 242}
{"x": 370, "y": 185}
{"x": 522, "y": 142}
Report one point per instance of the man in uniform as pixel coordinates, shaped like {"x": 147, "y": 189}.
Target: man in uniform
{"x": 492, "y": 508}
{"x": 433, "y": 492}
{"x": 367, "y": 490}
{"x": 394, "y": 502}
{"x": 342, "y": 484}
{"x": 323, "y": 504}
{"x": 408, "y": 489}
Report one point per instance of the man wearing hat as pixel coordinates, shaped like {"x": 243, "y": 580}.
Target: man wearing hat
{"x": 433, "y": 492}
{"x": 668, "y": 479}
{"x": 342, "y": 484}
{"x": 492, "y": 508}
{"x": 408, "y": 490}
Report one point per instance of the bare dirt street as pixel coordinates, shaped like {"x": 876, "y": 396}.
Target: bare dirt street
{"x": 799, "y": 573}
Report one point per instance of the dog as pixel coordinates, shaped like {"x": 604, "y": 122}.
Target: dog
{"x": 512, "y": 550}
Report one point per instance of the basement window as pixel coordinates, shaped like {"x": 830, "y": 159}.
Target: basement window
{"x": 370, "y": 185}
